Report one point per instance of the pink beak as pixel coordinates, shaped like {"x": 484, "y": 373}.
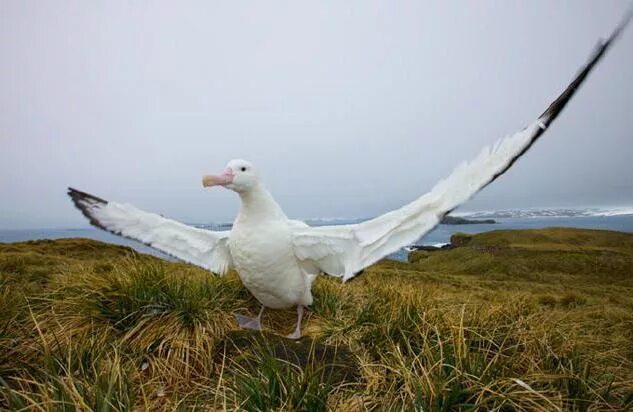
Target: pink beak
{"x": 222, "y": 180}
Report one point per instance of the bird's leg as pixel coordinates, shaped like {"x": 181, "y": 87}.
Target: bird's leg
{"x": 297, "y": 333}
{"x": 250, "y": 323}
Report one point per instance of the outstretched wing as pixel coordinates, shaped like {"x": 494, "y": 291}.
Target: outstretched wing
{"x": 347, "y": 249}
{"x": 204, "y": 248}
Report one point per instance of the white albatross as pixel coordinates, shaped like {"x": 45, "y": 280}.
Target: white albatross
{"x": 277, "y": 258}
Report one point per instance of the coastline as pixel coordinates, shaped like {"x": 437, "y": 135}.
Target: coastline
{"x": 440, "y": 235}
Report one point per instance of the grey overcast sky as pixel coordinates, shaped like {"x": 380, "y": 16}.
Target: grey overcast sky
{"x": 347, "y": 108}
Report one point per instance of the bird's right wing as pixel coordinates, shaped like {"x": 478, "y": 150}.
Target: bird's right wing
{"x": 200, "y": 247}
{"x": 347, "y": 249}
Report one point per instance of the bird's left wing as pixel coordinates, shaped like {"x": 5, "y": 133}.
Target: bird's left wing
{"x": 347, "y": 249}
{"x": 200, "y": 247}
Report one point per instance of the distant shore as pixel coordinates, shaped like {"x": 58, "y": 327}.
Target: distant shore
{"x": 456, "y": 220}
{"x": 439, "y": 236}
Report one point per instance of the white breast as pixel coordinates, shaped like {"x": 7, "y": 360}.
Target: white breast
{"x": 264, "y": 259}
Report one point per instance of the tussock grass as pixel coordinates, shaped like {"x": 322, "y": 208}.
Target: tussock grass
{"x": 509, "y": 320}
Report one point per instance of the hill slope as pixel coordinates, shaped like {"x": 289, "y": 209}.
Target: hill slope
{"x": 512, "y": 320}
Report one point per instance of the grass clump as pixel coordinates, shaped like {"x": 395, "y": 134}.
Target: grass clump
{"x": 508, "y": 320}
{"x": 268, "y": 372}
{"x": 99, "y": 380}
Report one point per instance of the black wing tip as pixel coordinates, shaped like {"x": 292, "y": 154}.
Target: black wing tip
{"x": 556, "y": 107}
{"x": 78, "y": 195}
{"x": 85, "y": 202}
{"x": 626, "y": 19}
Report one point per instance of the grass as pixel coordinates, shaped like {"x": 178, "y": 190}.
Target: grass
{"x": 509, "y": 320}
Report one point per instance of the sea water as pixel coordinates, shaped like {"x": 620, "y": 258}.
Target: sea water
{"x": 440, "y": 235}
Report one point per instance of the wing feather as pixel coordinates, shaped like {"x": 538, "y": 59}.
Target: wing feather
{"x": 200, "y": 247}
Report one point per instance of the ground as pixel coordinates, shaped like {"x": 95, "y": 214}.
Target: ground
{"x": 507, "y": 320}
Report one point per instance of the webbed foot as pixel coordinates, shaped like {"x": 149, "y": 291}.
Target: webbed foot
{"x": 294, "y": 335}
{"x": 248, "y": 323}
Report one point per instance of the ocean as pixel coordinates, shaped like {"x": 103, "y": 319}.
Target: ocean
{"x": 440, "y": 235}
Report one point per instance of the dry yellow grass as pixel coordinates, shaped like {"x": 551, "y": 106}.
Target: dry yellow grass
{"x": 516, "y": 320}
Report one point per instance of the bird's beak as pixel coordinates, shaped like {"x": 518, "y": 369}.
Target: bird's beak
{"x": 218, "y": 180}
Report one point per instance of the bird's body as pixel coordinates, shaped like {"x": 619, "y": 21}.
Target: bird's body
{"x": 277, "y": 258}
{"x": 261, "y": 246}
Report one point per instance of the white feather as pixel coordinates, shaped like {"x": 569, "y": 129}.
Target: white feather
{"x": 200, "y": 247}
{"x": 347, "y": 249}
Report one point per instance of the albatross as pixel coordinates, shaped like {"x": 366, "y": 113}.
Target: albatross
{"x": 278, "y": 258}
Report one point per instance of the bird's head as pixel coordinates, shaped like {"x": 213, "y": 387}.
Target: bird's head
{"x": 239, "y": 176}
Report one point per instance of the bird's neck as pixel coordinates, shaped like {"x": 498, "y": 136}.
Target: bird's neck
{"x": 259, "y": 205}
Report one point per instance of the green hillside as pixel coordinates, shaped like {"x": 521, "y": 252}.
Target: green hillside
{"x": 505, "y": 320}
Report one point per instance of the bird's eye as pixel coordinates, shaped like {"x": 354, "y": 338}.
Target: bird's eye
{"x": 243, "y": 169}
